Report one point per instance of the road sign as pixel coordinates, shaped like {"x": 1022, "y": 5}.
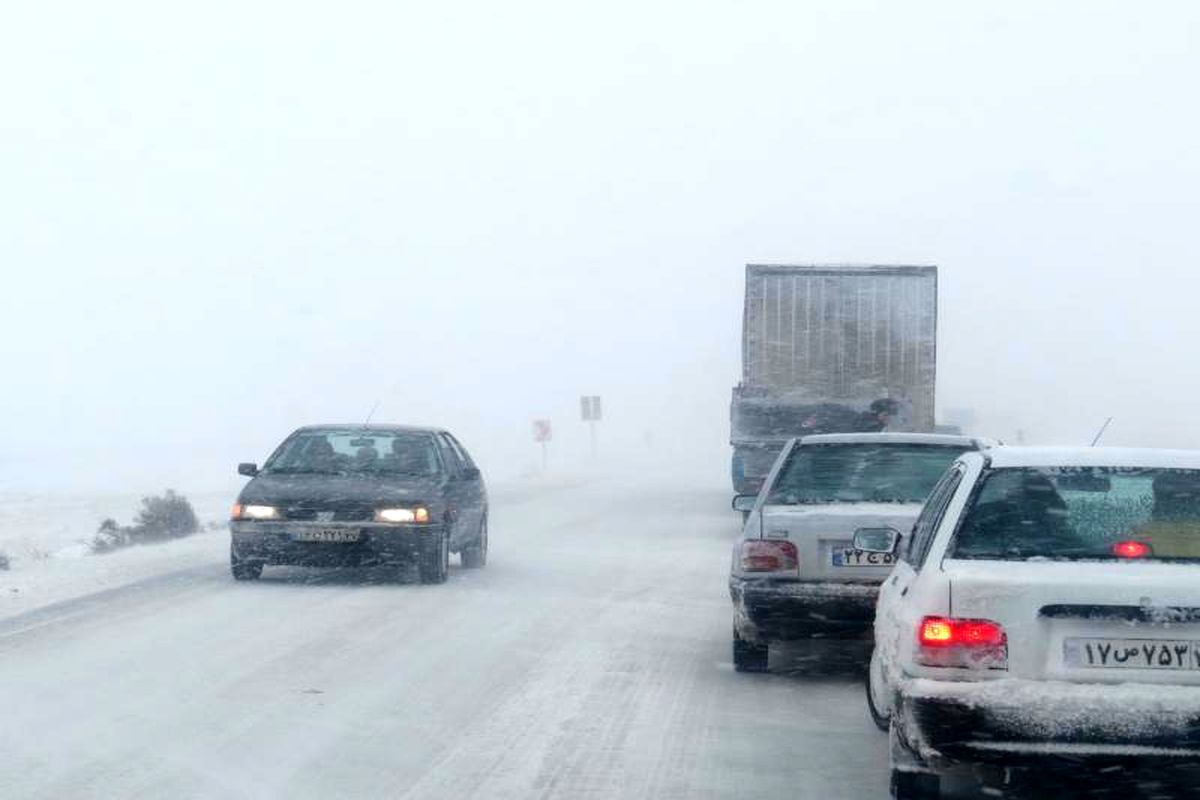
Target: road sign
{"x": 589, "y": 406}
{"x": 542, "y": 432}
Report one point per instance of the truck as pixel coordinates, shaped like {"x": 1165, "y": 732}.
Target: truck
{"x": 826, "y": 347}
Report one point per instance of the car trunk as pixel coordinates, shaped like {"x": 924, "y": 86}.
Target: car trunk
{"x": 824, "y": 534}
{"x": 1087, "y": 622}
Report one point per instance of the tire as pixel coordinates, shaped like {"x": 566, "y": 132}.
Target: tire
{"x": 434, "y": 560}
{"x": 475, "y": 555}
{"x": 244, "y": 570}
{"x": 915, "y": 786}
{"x": 749, "y": 656}
{"x": 883, "y": 719}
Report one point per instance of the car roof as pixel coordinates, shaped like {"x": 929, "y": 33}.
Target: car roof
{"x": 1011, "y": 456}
{"x": 372, "y": 428}
{"x": 943, "y": 439}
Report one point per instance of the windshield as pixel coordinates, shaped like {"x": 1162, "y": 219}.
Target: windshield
{"x": 348, "y": 452}
{"x": 1072, "y": 513}
{"x": 860, "y": 473}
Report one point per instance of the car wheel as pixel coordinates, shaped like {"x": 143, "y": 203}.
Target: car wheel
{"x": 915, "y": 785}
{"x": 434, "y": 560}
{"x": 749, "y": 656}
{"x": 881, "y": 713}
{"x": 475, "y": 554}
{"x": 244, "y": 570}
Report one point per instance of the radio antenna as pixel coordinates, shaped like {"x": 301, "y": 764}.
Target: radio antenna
{"x": 1100, "y": 432}
{"x": 374, "y": 408}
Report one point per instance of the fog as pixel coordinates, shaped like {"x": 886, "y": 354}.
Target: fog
{"x": 222, "y": 222}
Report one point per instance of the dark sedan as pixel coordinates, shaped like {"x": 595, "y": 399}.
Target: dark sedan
{"x": 355, "y": 495}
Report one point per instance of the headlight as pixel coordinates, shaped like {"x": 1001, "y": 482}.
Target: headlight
{"x": 418, "y": 514}
{"x": 254, "y": 512}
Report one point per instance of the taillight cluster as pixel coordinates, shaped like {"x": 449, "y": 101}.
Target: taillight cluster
{"x": 769, "y": 555}
{"x": 968, "y": 643}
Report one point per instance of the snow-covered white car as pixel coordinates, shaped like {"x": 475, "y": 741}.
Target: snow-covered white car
{"x": 795, "y": 572}
{"x": 1045, "y": 609}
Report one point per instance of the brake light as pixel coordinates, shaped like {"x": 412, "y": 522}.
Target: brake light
{"x": 766, "y": 555}
{"x": 970, "y": 643}
{"x": 1131, "y": 549}
{"x": 936, "y": 632}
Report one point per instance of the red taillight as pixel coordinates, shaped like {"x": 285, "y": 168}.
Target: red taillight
{"x": 936, "y": 632}
{"x": 974, "y": 643}
{"x": 765, "y": 555}
{"x": 1131, "y": 549}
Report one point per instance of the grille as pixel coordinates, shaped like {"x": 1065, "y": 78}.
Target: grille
{"x": 319, "y": 512}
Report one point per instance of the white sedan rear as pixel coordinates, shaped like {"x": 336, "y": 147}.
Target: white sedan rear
{"x": 1045, "y": 608}
{"x": 795, "y": 573}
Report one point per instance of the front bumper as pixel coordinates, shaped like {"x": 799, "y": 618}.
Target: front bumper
{"x": 1014, "y": 723}
{"x": 377, "y": 543}
{"x": 769, "y": 611}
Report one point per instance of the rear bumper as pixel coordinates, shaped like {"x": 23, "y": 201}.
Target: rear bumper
{"x": 1017, "y": 723}
{"x": 766, "y": 611}
{"x": 276, "y": 543}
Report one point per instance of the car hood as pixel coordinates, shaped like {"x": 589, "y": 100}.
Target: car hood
{"x": 303, "y": 489}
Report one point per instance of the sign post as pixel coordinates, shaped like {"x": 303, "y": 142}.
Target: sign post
{"x": 542, "y": 433}
{"x": 590, "y": 412}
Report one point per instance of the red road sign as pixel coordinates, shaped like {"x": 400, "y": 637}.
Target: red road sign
{"x": 542, "y": 432}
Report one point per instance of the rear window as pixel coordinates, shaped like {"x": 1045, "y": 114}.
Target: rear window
{"x": 861, "y": 473}
{"x": 1077, "y": 514}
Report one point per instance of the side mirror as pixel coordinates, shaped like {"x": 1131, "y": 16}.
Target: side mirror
{"x": 744, "y": 502}
{"x": 247, "y": 468}
{"x": 471, "y": 473}
{"x": 876, "y": 540}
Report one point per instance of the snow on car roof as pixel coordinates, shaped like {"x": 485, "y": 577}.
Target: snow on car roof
{"x": 944, "y": 439}
{"x": 1006, "y": 456}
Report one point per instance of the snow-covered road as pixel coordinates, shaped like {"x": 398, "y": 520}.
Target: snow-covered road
{"x": 590, "y": 659}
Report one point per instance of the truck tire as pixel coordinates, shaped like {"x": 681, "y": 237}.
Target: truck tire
{"x": 749, "y": 656}
{"x": 474, "y": 555}
{"x": 433, "y": 561}
{"x": 244, "y": 570}
{"x": 915, "y": 785}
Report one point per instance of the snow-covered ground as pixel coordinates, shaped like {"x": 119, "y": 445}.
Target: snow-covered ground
{"x": 590, "y": 659}
{"x": 45, "y": 538}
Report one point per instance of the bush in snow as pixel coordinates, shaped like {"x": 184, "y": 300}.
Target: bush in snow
{"x": 168, "y": 516}
{"x": 110, "y": 536}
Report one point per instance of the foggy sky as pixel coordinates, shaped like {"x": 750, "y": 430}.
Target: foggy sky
{"x": 222, "y": 222}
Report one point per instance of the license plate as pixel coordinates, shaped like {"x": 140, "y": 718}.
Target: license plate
{"x": 326, "y": 535}
{"x": 850, "y": 557}
{"x": 1177, "y": 654}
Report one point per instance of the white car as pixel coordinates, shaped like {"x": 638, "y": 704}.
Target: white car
{"x": 795, "y": 573}
{"x": 1044, "y": 610}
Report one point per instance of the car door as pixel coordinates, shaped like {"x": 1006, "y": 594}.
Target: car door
{"x": 474, "y": 493}
{"x": 457, "y": 505}
{"x": 913, "y": 553}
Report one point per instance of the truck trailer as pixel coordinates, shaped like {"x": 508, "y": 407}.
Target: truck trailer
{"x": 829, "y": 349}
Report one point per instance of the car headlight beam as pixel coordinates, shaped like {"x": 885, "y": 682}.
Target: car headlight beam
{"x": 414, "y": 514}
{"x": 253, "y": 511}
